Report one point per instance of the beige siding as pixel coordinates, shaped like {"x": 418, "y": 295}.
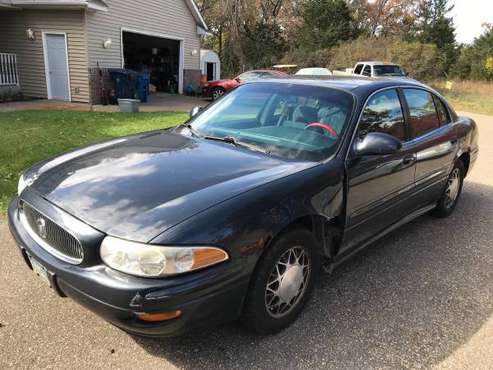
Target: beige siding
{"x": 13, "y": 39}
{"x": 164, "y": 17}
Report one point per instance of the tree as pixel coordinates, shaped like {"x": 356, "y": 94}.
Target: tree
{"x": 247, "y": 33}
{"x": 324, "y": 24}
{"x": 434, "y": 26}
{"x": 385, "y": 18}
{"x": 476, "y": 61}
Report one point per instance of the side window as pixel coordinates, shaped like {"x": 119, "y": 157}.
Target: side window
{"x": 442, "y": 111}
{"x": 383, "y": 113}
{"x": 422, "y": 113}
{"x": 367, "y": 71}
{"x": 358, "y": 69}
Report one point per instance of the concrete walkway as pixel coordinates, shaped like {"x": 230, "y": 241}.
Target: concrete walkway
{"x": 159, "y": 102}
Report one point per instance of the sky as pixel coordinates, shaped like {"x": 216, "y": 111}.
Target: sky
{"x": 469, "y": 15}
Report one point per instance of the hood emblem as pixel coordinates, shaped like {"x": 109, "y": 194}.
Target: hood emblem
{"x": 41, "y": 224}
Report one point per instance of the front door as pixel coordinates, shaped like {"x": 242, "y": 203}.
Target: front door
{"x": 56, "y": 66}
{"x": 210, "y": 71}
{"x": 379, "y": 186}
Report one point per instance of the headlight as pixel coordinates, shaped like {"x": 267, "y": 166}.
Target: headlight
{"x": 156, "y": 261}
{"x": 21, "y": 185}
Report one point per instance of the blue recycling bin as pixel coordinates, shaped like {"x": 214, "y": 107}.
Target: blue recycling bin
{"x": 143, "y": 81}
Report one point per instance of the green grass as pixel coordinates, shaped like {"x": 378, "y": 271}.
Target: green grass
{"x": 27, "y": 137}
{"x": 473, "y": 103}
{"x": 468, "y": 96}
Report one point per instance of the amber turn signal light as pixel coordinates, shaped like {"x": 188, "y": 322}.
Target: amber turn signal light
{"x": 162, "y": 316}
{"x": 207, "y": 256}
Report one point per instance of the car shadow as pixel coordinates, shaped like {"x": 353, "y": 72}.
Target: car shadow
{"x": 409, "y": 300}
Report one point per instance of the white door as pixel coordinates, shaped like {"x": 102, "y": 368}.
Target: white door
{"x": 56, "y": 66}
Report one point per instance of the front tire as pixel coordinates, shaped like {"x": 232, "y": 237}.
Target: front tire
{"x": 282, "y": 282}
{"x": 452, "y": 191}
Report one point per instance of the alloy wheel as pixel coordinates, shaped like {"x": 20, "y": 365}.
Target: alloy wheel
{"x": 217, "y": 93}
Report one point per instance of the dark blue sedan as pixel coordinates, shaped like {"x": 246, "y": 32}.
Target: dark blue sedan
{"x": 234, "y": 213}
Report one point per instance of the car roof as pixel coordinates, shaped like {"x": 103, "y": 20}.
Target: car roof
{"x": 358, "y": 85}
{"x": 374, "y": 62}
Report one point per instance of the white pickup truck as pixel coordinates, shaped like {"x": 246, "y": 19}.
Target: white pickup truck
{"x": 374, "y": 69}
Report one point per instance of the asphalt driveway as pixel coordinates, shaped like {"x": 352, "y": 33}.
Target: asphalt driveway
{"x": 420, "y": 298}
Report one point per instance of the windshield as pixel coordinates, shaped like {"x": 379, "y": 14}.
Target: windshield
{"x": 388, "y": 70}
{"x": 288, "y": 120}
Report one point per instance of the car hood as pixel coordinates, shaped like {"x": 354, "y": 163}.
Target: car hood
{"x": 139, "y": 186}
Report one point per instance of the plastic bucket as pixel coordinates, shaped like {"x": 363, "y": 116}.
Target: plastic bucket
{"x": 129, "y": 105}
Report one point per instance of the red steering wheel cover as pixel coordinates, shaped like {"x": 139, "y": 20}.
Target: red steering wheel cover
{"x": 325, "y": 126}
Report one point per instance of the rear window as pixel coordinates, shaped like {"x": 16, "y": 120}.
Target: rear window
{"x": 388, "y": 70}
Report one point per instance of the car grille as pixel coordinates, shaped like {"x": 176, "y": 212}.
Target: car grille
{"x": 52, "y": 237}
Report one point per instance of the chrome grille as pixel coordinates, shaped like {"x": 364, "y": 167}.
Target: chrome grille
{"x": 52, "y": 237}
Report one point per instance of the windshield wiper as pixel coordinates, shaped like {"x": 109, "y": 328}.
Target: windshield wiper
{"x": 234, "y": 141}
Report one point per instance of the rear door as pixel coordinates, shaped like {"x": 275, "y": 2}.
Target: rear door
{"x": 433, "y": 139}
{"x": 379, "y": 186}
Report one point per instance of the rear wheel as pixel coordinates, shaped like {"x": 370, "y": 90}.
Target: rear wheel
{"x": 217, "y": 93}
{"x": 282, "y": 282}
{"x": 452, "y": 191}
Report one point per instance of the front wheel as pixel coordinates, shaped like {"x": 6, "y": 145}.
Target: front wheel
{"x": 452, "y": 191}
{"x": 217, "y": 93}
{"x": 282, "y": 282}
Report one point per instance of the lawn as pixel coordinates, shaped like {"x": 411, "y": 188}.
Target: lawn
{"x": 29, "y": 136}
{"x": 474, "y": 103}
{"x": 468, "y": 96}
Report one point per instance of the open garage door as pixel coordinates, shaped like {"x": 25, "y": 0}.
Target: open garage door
{"x": 160, "y": 56}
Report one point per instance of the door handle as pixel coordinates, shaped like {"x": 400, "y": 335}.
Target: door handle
{"x": 409, "y": 159}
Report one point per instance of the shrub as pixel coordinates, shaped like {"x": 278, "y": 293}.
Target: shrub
{"x": 422, "y": 61}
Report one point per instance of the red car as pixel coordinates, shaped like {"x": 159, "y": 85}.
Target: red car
{"x": 216, "y": 89}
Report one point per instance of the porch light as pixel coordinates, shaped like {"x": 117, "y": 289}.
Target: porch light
{"x": 31, "y": 36}
{"x": 194, "y": 52}
{"x": 107, "y": 43}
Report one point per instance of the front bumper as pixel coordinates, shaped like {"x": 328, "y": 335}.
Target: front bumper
{"x": 207, "y": 297}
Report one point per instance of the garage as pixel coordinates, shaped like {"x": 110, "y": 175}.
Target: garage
{"x": 159, "y": 55}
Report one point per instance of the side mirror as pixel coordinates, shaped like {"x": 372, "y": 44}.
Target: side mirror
{"x": 194, "y": 111}
{"x": 376, "y": 143}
